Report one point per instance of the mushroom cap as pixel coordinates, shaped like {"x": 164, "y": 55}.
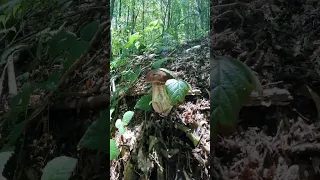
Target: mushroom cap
{"x": 157, "y": 76}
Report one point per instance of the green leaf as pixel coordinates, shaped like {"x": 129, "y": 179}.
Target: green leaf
{"x": 51, "y": 83}
{"x": 97, "y": 134}
{"x": 68, "y": 41}
{"x": 132, "y": 78}
{"x": 144, "y": 103}
{"x": 158, "y": 63}
{"x": 231, "y": 83}
{"x": 132, "y": 39}
{"x": 3, "y": 20}
{"x": 78, "y": 48}
{"x": 15, "y": 134}
{"x": 89, "y": 30}
{"x": 127, "y": 117}
{"x": 177, "y": 90}
{"x": 4, "y": 31}
{"x": 16, "y": 9}
{"x": 59, "y": 168}
{"x": 122, "y": 130}
{"x": 118, "y": 123}
{"x": 114, "y": 151}
{"x": 4, "y": 157}
{"x": 120, "y": 126}
{"x": 61, "y": 41}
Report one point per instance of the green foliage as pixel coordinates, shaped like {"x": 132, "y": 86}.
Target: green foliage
{"x": 127, "y": 117}
{"x": 114, "y": 151}
{"x": 177, "y": 90}
{"x": 144, "y": 103}
{"x": 65, "y": 47}
{"x": 20, "y": 102}
{"x": 132, "y": 39}
{"x": 4, "y": 157}
{"x": 14, "y": 135}
{"x": 96, "y": 135}
{"x": 89, "y": 30}
{"x": 231, "y": 85}
{"x": 151, "y": 30}
{"x": 157, "y": 64}
{"x": 120, "y": 124}
{"x": 59, "y": 168}
{"x": 129, "y": 77}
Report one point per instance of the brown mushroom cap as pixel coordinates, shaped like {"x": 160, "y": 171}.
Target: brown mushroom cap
{"x": 157, "y": 76}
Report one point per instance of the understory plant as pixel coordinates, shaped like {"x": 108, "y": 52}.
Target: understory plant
{"x": 231, "y": 83}
{"x": 175, "y": 90}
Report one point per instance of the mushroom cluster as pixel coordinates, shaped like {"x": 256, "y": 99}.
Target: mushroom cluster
{"x": 160, "y": 99}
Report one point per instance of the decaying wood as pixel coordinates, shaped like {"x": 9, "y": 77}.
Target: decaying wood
{"x": 273, "y": 96}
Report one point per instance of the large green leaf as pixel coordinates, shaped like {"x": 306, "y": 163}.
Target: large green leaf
{"x": 59, "y": 168}
{"x": 96, "y": 135}
{"x": 177, "y": 90}
{"x": 114, "y": 151}
{"x": 61, "y": 41}
{"x": 89, "y": 30}
{"x": 78, "y": 48}
{"x": 144, "y": 103}
{"x": 231, "y": 83}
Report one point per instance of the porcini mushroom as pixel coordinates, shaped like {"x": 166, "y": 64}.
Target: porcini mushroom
{"x": 160, "y": 99}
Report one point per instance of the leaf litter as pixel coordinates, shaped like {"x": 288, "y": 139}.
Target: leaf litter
{"x": 279, "y": 41}
{"x": 70, "y": 110}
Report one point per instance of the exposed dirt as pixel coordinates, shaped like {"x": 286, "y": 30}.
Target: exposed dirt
{"x": 156, "y": 143}
{"x": 280, "y": 41}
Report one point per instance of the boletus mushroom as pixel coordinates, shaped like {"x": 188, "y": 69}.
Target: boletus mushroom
{"x": 160, "y": 99}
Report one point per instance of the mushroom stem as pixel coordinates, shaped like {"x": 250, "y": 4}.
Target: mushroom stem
{"x": 160, "y": 99}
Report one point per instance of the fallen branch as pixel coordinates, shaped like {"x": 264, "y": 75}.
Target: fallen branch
{"x": 274, "y": 96}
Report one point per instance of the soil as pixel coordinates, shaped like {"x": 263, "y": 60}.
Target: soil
{"x": 280, "y": 41}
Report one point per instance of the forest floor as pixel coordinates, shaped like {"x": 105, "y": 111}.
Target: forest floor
{"x": 280, "y": 41}
{"x": 174, "y": 156}
{"x": 66, "y": 106}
